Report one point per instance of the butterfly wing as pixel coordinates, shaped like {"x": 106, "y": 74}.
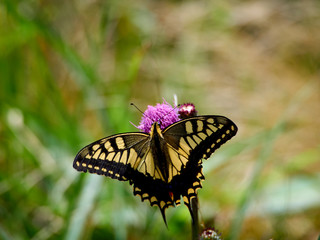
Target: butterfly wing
{"x": 189, "y": 141}
{"x": 114, "y": 155}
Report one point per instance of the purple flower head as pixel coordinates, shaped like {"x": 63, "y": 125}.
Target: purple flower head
{"x": 163, "y": 113}
{"x": 187, "y": 110}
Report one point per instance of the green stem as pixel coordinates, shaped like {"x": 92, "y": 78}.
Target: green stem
{"x": 195, "y": 218}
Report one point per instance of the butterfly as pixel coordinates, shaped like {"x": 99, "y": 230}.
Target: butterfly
{"x": 162, "y": 165}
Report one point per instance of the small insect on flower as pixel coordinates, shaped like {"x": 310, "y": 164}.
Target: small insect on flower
{"x": 164, "y": 162}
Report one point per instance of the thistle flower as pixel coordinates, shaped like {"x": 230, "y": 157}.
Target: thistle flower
{"x": 163, "y": 113}
{"x": 187, "y": 110}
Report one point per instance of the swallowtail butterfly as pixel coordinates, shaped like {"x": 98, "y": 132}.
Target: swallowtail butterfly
{"x": 163, "y": 165}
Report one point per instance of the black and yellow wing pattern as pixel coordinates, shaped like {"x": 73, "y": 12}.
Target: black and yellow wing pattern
{"x": 162, "y": 166}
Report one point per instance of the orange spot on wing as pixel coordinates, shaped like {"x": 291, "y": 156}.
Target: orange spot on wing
{"x": 171, "y": 195}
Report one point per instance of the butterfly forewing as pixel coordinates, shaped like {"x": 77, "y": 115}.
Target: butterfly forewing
{"x": 198, "y": 137}
{"x": 112, "y": 156}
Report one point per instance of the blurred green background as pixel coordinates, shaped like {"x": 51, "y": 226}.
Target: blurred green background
{"x": 69, "y": 70}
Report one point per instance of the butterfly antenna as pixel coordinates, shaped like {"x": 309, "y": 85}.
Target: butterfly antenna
{"x": 162, "y": 117}
{"x": 132, "y": 104}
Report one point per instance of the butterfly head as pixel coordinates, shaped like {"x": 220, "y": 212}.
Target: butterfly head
{"x": 156, "y": 130}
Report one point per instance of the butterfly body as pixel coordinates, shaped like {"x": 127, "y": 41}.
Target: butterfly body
{"x": 159, "y": 152}
{"x": 163, "y": 165}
